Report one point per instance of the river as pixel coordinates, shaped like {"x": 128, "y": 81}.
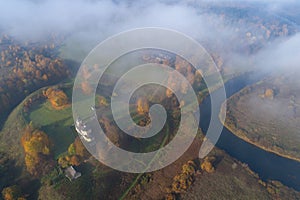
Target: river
{"x": 268, "y": 166}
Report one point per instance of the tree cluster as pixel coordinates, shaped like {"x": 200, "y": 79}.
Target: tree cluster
{"x": 25, "y": 68}
{"x": 56, "y": 97}
{"x": 182, "y": 181}
{"x": 207, "y": 164}
{"x": 37, "y": 148}
{"x": 75, "y": 156}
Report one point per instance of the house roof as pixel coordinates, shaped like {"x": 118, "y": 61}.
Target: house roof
{"x": 71, "y": 173}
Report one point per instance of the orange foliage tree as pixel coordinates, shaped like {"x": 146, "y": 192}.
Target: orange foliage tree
{"x": 76, "y": 154}
{"x": 11, "y": 193}
{"x": 56, "y": 97}
{"x": 86, "y": 87}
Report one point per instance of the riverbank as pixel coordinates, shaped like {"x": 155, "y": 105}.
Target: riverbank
{"x": 267, "y": 165}
{"x": 263, "y": 115}
{"x": 237, "y": 132}
{"x": 230, "y": 179}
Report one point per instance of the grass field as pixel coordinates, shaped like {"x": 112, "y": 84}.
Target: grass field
{"x": 56, "y": 123}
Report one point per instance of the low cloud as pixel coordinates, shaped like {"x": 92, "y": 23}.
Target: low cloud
{"x": 89, "y": 22}
{"x": 280, "y": 56}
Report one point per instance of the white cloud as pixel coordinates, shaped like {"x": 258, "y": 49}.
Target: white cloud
{"x": 94, "y": 20}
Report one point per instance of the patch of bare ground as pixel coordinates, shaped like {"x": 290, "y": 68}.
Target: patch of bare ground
{"x": 230, "y": 179}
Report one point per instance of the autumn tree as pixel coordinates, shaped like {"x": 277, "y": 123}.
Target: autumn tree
{"x": 269, "y": 93}
{"x": 71, "y": 149}
{"x": 207, "y": 165}
{"x": 36, "y": 145}
{"x": 101, "y": 101}
{"x": 80, "y": 148}
{"x": 56, "y": 97}
{"x": 142, "y": 105}
{"x": 63, "y": 161}
{"x": 75, "y": 160}
{"x": 11, "y": 193}
{"x": 86, "y": 87}
{"x": 26, "y": 68}
{"x": 76, "y": 154}
{"x": 183, "y": 180}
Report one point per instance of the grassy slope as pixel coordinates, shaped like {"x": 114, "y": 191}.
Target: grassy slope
{"x": 56, "y": 123}
{"x": 10, "y": 135}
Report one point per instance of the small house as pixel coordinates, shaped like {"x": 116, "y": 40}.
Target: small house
{"x": 71, "y": 173}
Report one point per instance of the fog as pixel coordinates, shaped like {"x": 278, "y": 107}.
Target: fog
{"x": 281, "y": 56}
{"x": 90, "y": 22}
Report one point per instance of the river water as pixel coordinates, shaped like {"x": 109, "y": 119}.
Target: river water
{"x": 268, "y": 166}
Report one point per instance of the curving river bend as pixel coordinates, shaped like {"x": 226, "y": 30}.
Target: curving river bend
{"x": 268, "y": 166}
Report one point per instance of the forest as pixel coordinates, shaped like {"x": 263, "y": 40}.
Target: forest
{"x": 26, "y": 67}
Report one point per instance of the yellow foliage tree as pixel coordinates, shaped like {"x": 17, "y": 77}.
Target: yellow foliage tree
{"x": 76, "y": 153}
{"x": 36, "y": 144}
{"x": 207, "y": 164}
{"x": 101, "y": 101}
{"x": 63, "y": 162}
{"x": 184, "y": 180}
{"x": 71, "y": 149}
{"x": 142, "y": 106}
